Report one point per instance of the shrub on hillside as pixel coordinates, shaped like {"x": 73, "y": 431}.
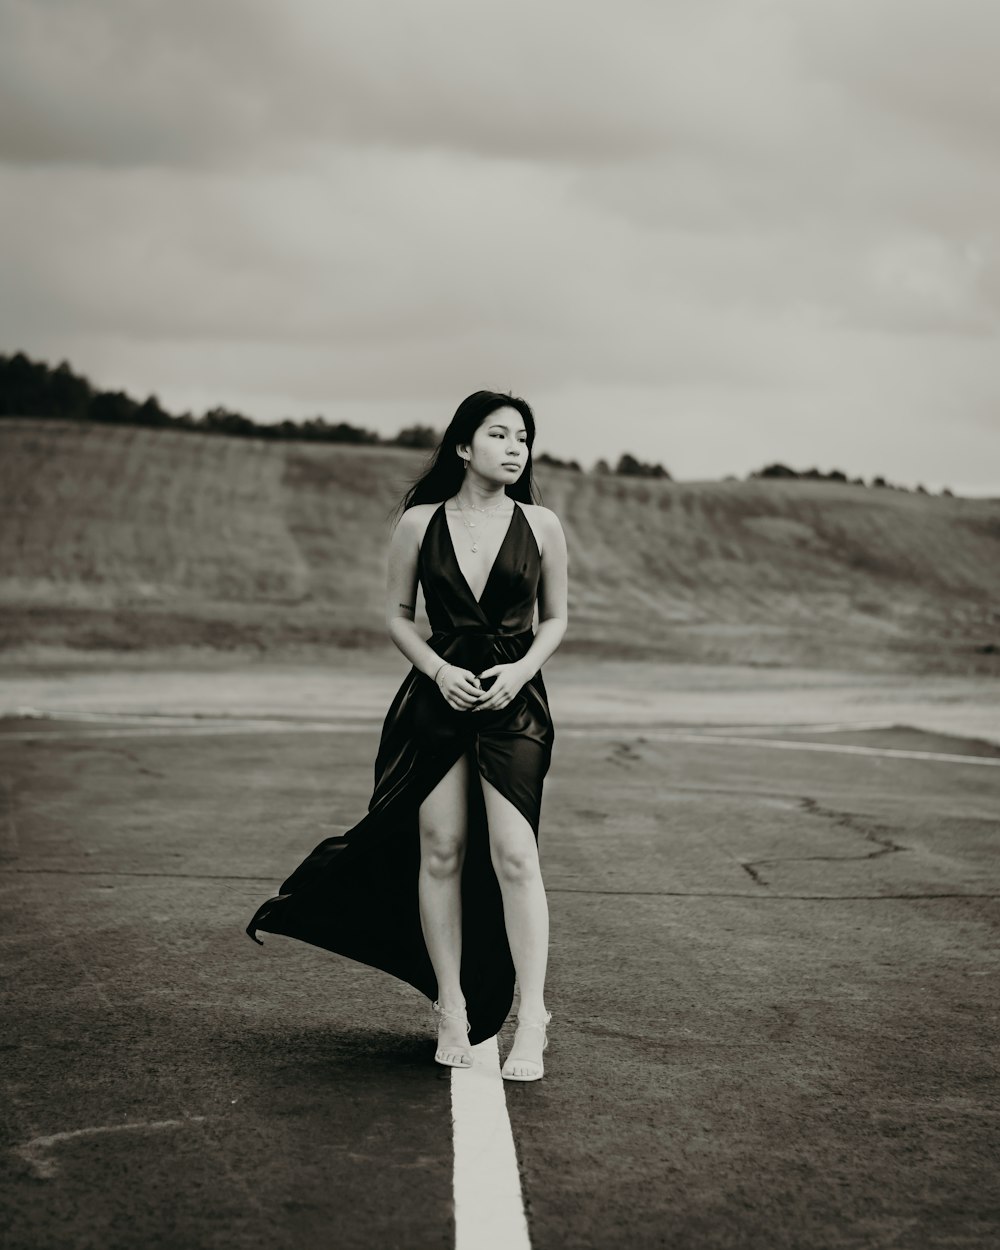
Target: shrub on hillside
{"x": 544, "y": 457}
{"x": 423, "y": 436}
{"x": 773, "y": 470}
{"x": 629, "y": 466}
{"x": 31, "y": 389}
{"x": 834, "y": 475}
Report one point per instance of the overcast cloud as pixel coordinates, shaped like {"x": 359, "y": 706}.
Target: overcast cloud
{"x": 713, "y": 233}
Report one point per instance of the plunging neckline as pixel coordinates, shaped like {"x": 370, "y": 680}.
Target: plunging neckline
{"x": 496, "y": 558}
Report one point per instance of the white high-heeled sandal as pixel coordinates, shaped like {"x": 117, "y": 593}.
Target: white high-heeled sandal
{"x": 462, "y": 1017}
{"x": 507, "y": 1070}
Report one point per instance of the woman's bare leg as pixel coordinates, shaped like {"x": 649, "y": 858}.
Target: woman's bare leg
{"x": 443, "y": 820}
{"x": 514, "y": 853}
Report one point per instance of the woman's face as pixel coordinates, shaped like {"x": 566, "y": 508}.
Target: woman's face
{"x": 499, "y": 448}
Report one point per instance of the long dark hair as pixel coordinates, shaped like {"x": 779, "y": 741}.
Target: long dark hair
{"x": 444, "y": 472}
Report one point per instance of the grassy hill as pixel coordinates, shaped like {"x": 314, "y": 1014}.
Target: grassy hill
{"x": 139, "y": 539}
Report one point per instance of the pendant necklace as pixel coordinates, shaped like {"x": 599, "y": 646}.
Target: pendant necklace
{"x": 471, "y": 525}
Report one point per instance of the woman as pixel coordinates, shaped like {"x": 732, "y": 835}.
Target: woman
{"x": 440, "y": 883}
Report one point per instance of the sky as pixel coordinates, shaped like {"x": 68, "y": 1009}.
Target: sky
{"x": 714, "y": 234}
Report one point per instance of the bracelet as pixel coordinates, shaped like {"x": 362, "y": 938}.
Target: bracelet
{"x": 441, "y": 666}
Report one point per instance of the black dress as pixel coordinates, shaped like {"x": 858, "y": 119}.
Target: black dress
{"x": 356, "y": 894}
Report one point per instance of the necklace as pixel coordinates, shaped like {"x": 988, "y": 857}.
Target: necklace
{"x": 471, "y": 525}
{"x": 495, "y": 507}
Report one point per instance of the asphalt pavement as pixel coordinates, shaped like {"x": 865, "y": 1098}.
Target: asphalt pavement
{"x": 773, "y": 982}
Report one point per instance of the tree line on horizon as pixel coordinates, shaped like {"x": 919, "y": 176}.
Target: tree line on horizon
{"x": 31, "y": 388}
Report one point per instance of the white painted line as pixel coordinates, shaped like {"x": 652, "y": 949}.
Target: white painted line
{"x": 164, "y": 726}
{"x": 188, "y": 731}
{"x": 806, "y": 727}
{"x": 837, "y": 748}
{"x": 179, "y": 719}
{"x": 489, "y": 1206}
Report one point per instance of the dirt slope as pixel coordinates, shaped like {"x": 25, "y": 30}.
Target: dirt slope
{"x": 140, "y": 538}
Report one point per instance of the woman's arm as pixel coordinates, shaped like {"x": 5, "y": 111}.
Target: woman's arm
{"x": 401, "y": 595}
{"x": 553, "y": 594}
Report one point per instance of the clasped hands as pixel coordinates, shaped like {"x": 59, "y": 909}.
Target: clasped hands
{"x": 461, "y": 687}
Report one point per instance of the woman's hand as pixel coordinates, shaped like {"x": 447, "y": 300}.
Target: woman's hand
{"x": 509, "y": 680}
{"x": 460, "y": 687}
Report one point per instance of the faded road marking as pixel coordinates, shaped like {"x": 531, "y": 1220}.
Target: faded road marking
{"x": 33, "y": 1151}
{"x": 836, "y": 748}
